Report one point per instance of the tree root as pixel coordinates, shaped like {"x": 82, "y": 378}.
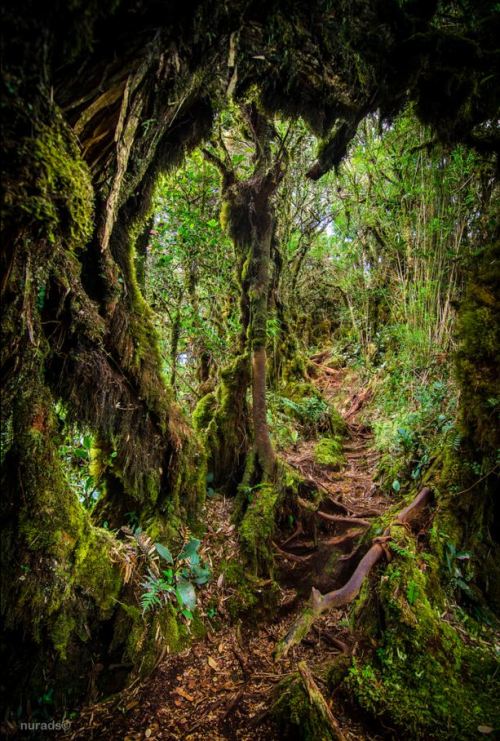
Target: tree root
{"x": 320, "y": 603}
{"x": 291, "y": 556}
{"x": 299, "y": 530}
{"x": 318, "y": 701}
{"x": 341, "y": 539}
{"x": 343, "y": 518}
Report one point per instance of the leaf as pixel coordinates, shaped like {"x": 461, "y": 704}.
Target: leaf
{"x": 190, "y": 550}
{"x": 396, "y": 485}
{"x": 186, "y": 594}
{"x": 164, "y": 553}
{"x": 182, "y": 692}
{"x": 213, "y": 664}
{"x": 201, "y": 574}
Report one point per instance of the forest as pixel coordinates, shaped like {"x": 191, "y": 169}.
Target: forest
{"x": 250, "y": 382}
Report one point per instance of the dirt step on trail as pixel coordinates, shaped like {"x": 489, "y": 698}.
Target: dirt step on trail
{"x": 221, "y": 687}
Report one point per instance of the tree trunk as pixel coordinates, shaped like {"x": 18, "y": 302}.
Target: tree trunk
{"x": 259, "y": 299}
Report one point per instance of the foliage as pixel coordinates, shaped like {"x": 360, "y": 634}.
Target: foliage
{"x": 176, "y": 583}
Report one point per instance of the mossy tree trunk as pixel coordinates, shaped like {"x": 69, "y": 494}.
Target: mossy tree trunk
{"x": 248, "y": 214}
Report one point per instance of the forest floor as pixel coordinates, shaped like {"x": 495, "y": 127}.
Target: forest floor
{"x": 222, "y": 686}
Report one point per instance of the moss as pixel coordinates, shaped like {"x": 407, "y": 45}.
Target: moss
{"x": 61, "y": 631}
{"x": 258, "y": 525}
{"x": 204, "y": 411}
{"x": 243, "y": 597}
{"x": 422, "y": 678}
{"x": 296, "y": 715}
{"x": 328, "y": 452}
{"x": 61, "y": 199}
{"x": 338, "y": 423}
{"x": 94, "y": 572}
{"x": 478, "y": 356}
{"x": 222, "y": 417}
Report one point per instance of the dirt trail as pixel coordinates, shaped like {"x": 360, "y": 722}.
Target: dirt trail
{"x": 221, "y": 687}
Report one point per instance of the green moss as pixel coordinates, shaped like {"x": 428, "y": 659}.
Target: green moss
{"x": 297, "y": 716}
{"x": 222, "y": 418}
{"x": 258, "y": 525}
{"x": 328, "y": 452}
{"x": 338, "y": 423}
{"x": 422, "y": 678}
{"x": 94, "y": 572}
{"x": 63, "y": 197}
{"x": 478, "y": 355}
{"x": 248, "y": 593}
{"x": 204, "y": 411}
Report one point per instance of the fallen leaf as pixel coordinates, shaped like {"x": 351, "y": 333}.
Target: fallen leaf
{"x": 220, "y": 581}
{"x": 220, "y": 648}
{"x": 182, "y": 692}
{"x": 213, "y": 664}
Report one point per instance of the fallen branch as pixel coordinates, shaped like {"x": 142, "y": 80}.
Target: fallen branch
{"x": 318, "y": 701}
{"x": 320, "y": 603}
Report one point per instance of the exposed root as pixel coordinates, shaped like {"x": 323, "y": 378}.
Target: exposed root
{"x": 320, "y": 603}
{"x": 299, "y": 530}
{"x": 341, "y": 539}
{"x": 340, "y": 518}
{"x": 291, "y": 556}
{"x": 318, "y": 701}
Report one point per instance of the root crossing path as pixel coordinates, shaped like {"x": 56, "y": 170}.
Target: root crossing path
{"x": 223, "y": 686}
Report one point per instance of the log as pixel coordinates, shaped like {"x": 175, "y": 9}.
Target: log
{"x": 319, "y": 603}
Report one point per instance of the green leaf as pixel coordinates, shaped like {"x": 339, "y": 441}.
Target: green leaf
{"x": 164, "y": 553}
{"x": 186, "y": 595}
{"x": 396, "y": 485}
{"x": 201, "y": 574}
{"x": 190, "y": 549}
